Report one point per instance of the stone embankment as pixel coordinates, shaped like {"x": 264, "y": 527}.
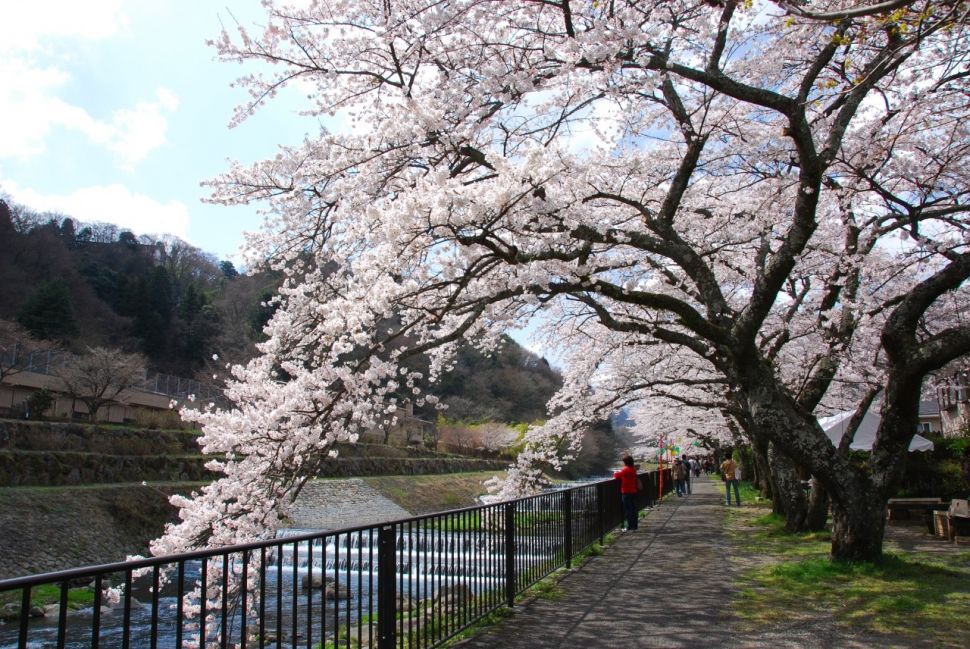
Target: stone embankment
{"x": 57, "y": 454}
{"x": 55, "y": 528}
{"x": 334, "y": 504}
{"x": 43, "y": 530}
{"x": 61, "y": 454}
{"x": 72, "y": 495}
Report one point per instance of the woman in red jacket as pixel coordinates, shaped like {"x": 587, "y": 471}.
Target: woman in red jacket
{"x": 628, "y": 492}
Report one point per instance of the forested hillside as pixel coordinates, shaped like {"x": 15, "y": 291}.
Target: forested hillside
{"x": 94, "y": 284}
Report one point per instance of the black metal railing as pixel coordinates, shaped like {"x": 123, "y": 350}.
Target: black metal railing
{"x": 409, "y": 583}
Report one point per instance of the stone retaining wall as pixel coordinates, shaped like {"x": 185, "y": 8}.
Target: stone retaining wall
{"x": 43, "y": 530}
{"x": 57, "y": 436}
{"x": 43, "y": 469}
{"x": 62, "y": 454}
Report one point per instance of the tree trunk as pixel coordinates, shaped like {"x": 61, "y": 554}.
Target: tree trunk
{"x": 790, "y": 499}
{"x": 858, "y": 525}
{"x": 762, "y": 470}
{"x": 818, "y": 508}
{"x": 858, "y": 506}
{"x": 805, "y": 510}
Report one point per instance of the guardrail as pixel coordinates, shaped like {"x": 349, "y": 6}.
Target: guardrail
{"x": 408, "y": 583}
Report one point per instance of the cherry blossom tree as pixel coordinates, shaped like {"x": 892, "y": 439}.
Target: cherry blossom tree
{"x": 730, "y": 180}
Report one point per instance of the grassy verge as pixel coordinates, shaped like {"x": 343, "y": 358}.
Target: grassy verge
{"x": 912, "y": 595}
{"x": 51, "y": 594}
{"x": 426, "y": 494}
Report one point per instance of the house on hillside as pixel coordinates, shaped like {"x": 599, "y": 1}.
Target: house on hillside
{"x": 929, "y": 417}
{"x": 148, "y": 403}
{"x": 954, "y": 405}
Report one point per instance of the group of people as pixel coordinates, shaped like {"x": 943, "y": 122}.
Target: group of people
{"x": 681, "y": 471}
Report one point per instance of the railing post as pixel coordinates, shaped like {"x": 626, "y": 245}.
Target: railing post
{"x": 386, "y": 583}
{"x": 24, "y": 615}
{"x": 601, "y": 510}
{"x": 567, "y": 518}
{"x": 510, "y": 553}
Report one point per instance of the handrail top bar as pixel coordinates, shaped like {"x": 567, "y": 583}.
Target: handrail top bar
{"x": 152, "y": 562}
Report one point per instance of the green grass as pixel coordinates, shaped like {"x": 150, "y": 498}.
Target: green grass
{"x": 489, "y": 620}
{"x": 548, "y": 588}
{"x": 594, "y": 550}
{"x": 48, "y": 594}
{"x": 472, "y": 521}
{"x": 468, "y": 522}
{"x": 765, "y": 532}
{"x": 427, "y": 494}
{"x": 748, "y": 493}
{"x": 906, "y": 595}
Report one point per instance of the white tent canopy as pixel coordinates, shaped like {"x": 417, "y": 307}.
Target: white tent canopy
{"x": 865, "y": 435}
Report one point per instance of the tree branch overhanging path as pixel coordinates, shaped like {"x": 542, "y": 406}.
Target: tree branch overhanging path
{"x": 733, "y": 207}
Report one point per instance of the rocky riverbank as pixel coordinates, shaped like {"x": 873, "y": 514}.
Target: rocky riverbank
{"x": 42, "y": 530}
{"x": 54, "y": 528}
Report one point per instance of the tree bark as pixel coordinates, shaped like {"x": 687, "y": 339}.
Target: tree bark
{"x": 818, "y": 508}
{"x": 805, "y": 510}
{"x": 858, "y": 525}
{"x": 762, "y": 470}
{"x": 790, "y": 499}
{"x": 858, "y": 506}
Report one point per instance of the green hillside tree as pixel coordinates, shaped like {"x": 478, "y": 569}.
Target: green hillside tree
{"x": 49, "y": 313}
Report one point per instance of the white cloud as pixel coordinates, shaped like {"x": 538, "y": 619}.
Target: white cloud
{"x": 135, "y": 133}
{"x": 31, "y": 107}
{"x": 26, "y": 25}
{"x": 109, "y": 204}
{"x": 601, "y": 128}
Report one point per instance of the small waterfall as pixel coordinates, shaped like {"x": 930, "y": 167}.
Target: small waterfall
{"x": 476, "y": 558}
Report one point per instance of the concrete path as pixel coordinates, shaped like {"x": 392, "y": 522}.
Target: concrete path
{"x": 665, "y": 585}
{"x": 668, "y": 584}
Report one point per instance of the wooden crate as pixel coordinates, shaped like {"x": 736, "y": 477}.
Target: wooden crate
{"x": 960, "y": 526}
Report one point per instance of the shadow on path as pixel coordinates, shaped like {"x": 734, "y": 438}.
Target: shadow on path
{"x": 669, "y": 584}
{"x": 666, "y": 585}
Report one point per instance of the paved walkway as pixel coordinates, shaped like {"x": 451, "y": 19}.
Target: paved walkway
{"x": 666, "y": 585}
{"x": 663, "y": 585}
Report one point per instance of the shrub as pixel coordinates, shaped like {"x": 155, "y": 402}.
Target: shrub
{"x": 38, "y": 403}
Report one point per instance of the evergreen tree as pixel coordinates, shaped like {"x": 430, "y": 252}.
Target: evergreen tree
{"x": 49, "y": 312}
{"x": 228, "y": 270}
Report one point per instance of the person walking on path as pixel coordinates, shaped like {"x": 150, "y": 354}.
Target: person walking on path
{"x": 729, "y": 473}
{"x": 687, "y": 476}
{"x": 679, "y": 474}
{"x": 628, "y": 492}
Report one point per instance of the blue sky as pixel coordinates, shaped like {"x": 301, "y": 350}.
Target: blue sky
{"x": 116, "y": 110}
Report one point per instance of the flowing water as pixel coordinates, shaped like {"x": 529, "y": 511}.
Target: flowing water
{"x": 428, "y": 562}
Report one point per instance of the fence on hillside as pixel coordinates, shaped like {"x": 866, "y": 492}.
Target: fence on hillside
{"x": 176, "y": 387}
{"x": 411, "y": 583}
